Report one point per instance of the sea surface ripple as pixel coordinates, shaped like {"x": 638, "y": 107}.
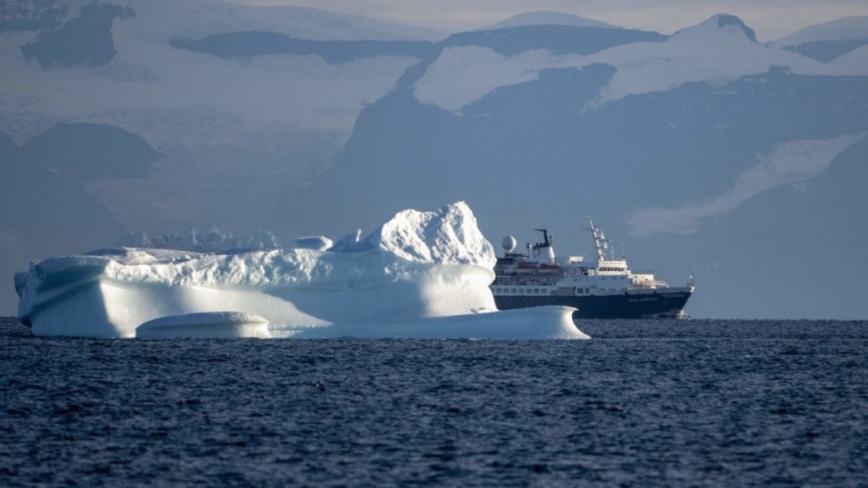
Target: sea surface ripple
{"x": 644, "y": 403}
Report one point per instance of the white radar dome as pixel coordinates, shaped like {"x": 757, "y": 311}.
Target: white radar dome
{"x": 508, "y": 243}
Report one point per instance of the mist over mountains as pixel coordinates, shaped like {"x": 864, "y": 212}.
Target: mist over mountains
{"x": 704, "y": 151}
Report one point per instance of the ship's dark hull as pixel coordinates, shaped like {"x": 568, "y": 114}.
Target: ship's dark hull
{"x": 668, "y": 303}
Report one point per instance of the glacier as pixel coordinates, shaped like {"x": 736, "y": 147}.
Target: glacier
{"x": 788, "y": 163}
{"x": 420, "y": 274}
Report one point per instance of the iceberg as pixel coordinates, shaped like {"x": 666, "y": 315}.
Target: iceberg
{"x": 420, "y": 274}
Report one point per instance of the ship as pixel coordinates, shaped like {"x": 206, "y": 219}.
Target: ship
{"x": 604, "y": 289}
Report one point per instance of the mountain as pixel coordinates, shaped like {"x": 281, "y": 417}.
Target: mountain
{"x": 660, "y": 140}
{"x": 546, "y": 18}
{"x": 45, "y": 208}
{"x": 87, "y": 152}
{"x": 170, "y": 115}
{"x": 772, "y": 248}
{"x": 827, "y": 41}
{"x": 250, "y": 44}
{"x": 851, "y": 61}
{"x": 83, "y": 40}
{"x": 845, "y": 28}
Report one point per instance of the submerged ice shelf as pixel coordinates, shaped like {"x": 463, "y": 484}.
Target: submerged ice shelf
{"x": 420, "y": 274}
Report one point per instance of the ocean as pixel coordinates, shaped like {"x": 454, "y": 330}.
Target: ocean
{"x": 644, "y": 403}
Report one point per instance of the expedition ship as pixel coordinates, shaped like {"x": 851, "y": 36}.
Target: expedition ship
{"x": 606, "y": 289}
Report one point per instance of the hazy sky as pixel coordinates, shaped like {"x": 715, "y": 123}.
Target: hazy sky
{"x": 770, "y": 18}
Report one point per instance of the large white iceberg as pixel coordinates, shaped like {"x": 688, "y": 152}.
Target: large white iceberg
{"x": 420, "y": 274}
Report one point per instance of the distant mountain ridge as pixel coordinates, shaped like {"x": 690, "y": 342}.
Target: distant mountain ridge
{"x": 546, "y": 18}
{"x": 250, "y": 44}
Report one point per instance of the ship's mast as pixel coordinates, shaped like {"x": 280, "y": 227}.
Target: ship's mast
{"x": 600, "y": 241}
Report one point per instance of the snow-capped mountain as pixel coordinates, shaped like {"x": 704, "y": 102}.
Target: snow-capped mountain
{"x": 843, "y": 29}
{"x": 718, "y": 50}
{"x": 827, "y": 41}
{"x": 661, "y": 138}
{"x": 172, "y": 114}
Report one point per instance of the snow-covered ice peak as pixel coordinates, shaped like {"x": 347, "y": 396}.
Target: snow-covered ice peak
{"x": 548, "y": 18}
{"x": 448, "y": 235}
{"x": 847, "y": 28}
{"x": 715, "y": 27}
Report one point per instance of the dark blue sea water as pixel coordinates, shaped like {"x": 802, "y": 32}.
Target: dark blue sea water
{"x": 662, "y": 403}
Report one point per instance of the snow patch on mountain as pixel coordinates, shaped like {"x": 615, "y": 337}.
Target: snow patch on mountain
{"x": 720, "y": 49}
{"x": 133, "y": 91}
{"x": 547, "y": 18}
{"x": 462, "y": 75}
{"x": 716, "y": 51}
{"x": 726, "y": 23}
{"x": 787, "y": 163}
{"x": 847, "y": 28}
{"x": 165, "y": 94}
{"x": 853, "y": 63}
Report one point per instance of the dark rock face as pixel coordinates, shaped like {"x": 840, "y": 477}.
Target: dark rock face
{"x": 90, "y": 151}
{"x": 42, "y": 209}
{"x": 85, "y": 40}
{"x": 827, "y": 51}
{"x": 724, "y": 20}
